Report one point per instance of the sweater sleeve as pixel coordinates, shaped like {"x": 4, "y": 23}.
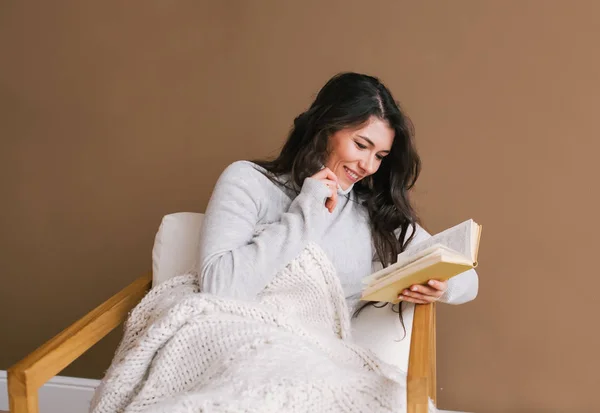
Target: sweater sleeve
{"x": 238, "y": 261}
{"x": 461, "y": 288}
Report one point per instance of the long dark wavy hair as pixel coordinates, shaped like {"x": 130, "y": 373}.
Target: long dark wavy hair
{"x": 349, "y": 100}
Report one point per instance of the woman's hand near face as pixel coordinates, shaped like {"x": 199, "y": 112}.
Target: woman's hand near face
{"x": 326, "y": 176}
{"x": 425, "y": 294}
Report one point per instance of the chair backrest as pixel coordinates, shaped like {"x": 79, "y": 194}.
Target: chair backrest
{"x": 175, "y": 252}
{"x": 176, "y": 246}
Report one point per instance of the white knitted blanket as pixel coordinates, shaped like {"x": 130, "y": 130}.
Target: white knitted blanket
{"x": 290, "y": 351}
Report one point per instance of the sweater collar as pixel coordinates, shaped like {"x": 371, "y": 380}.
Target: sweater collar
{"x": 346, "y": 191}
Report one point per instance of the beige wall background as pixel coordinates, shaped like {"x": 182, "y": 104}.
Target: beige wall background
{"x": 113, "y": 114}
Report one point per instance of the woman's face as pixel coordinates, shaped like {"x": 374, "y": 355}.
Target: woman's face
{"x": 355, "y": 153}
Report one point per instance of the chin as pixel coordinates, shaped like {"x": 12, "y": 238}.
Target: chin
{"x": 345, "y": 185}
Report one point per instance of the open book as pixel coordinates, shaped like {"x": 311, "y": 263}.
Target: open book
{"x": 440, "y": 257}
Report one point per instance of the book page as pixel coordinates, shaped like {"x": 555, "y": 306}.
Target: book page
{"x": 475, "y": 238}
{"x": 457, "y": 238}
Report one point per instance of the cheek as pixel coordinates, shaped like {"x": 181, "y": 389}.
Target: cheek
{"x": 347, "y": 152}
{"x": 338, "y": 152}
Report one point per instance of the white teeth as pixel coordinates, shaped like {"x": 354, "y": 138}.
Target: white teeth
{"x": 352, "y": 174}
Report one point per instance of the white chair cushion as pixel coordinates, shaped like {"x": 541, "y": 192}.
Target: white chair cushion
{"x": 175, "y": 252}
{"x": 176, "y": 246}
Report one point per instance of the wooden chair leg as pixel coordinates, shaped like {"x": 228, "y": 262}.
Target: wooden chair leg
{"x": 22, "y": 398}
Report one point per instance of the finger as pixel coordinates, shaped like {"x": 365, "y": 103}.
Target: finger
{"x": 334, "y": 200}
{"x": 419, "y": 296}
{"x": 325, "y": 173}
{"x": 331, "y": 184}
{"x": 425, "y": 290}
{"x": 331, "y": 202}
{"x": 330, "y": 175}
{"x": 412, "y": 299}
{"x": 438, "y": 285}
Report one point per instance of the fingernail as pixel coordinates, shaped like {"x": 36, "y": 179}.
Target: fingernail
{"x": 431, "y": 282}
{"x": 414, "y": 288}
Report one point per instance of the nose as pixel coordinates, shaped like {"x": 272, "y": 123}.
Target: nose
{"x": 368, "y": 164}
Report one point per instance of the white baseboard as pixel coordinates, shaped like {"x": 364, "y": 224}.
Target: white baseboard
{"x": 58, "y": 395}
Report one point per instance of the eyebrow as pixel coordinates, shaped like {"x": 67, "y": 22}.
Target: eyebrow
{"x": 371, "y": 143}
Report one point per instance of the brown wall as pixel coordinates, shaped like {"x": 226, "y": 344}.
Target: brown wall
{"x": 114, "y": 114}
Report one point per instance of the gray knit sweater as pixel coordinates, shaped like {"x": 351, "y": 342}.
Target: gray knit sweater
{"x": 253, "y": 227}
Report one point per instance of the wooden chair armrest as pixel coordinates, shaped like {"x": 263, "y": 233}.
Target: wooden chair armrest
{"x": 29, "y": 374}
{"x": 421, "y": 380}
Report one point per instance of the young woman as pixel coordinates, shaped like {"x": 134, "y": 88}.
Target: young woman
{"x": 342, "y": 180}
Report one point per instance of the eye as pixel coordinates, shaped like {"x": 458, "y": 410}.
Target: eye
{"x": 380, "y": 157}
{"x": 360, "y": 145}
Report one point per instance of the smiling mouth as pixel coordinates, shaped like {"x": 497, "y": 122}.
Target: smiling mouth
{"x": 353, "y": 176}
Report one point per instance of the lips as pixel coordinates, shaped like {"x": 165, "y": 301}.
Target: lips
{"x": 353, "y": 176}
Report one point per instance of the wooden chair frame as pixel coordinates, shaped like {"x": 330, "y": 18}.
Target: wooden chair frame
{"x": 28, "y": 375}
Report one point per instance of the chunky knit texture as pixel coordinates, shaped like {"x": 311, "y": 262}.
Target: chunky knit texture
{"x": 289, "y": 351}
